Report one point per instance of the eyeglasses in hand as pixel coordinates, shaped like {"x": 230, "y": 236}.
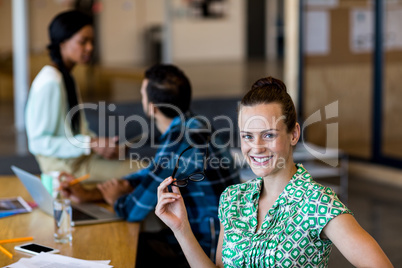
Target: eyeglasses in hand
{"x": 196, "y": 176}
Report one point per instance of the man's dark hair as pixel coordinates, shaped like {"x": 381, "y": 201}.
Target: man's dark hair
{"x": 168, "y": 85}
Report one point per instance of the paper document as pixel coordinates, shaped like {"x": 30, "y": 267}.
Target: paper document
{"x": 316, "y": 27}
{"x": 47, "y": 260}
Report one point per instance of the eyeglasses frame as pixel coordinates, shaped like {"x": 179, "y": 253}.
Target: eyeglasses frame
{"x": 206, "y": 155}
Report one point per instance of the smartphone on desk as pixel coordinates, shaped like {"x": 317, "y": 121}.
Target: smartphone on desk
{"x": 35, "y": 249}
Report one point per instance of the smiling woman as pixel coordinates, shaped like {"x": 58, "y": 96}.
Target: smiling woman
{"x": 265, "y": 141}
{"x": 283, "y": 218}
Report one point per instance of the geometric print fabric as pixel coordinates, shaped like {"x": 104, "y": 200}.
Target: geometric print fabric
{"x": 290, "y": 233}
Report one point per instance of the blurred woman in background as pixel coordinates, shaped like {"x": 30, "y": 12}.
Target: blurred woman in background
{"x": 58, "y": 133}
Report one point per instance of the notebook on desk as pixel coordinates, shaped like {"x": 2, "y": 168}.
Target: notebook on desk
{"x": 87, "y": 213}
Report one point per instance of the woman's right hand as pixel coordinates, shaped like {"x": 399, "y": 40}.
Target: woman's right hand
{"x": 170, "y": 208}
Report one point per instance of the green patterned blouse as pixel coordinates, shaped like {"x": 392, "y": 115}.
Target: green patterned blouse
{"x": 290, "y": 233}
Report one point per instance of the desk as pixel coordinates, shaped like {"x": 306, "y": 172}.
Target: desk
{"x": 115, "y": 241}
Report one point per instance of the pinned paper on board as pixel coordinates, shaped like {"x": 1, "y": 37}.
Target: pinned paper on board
{"x": 393, "y": 31}
{"x": 325, "y": 3}
{"x": 362, "y": 30}
{"x": 317, "y": 40}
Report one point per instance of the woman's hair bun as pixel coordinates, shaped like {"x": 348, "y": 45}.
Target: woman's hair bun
{"x": 271, "y": 90}
{"x": 269, "y": 82}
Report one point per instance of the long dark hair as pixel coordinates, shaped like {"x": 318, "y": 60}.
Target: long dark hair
{"x": 62, "y": 27}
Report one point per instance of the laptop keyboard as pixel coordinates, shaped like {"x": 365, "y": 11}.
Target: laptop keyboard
{"x": 79, "y": 215}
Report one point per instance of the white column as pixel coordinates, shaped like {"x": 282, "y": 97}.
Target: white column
{"x": 291, "y": 63}
{"x": 167, "y": 46}
{"x": 20, "y": 60}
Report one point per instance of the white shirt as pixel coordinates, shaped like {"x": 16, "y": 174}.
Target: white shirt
{"x": 45, "y": 117}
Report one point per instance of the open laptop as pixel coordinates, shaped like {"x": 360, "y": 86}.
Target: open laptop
{"x": 88, "y": 213}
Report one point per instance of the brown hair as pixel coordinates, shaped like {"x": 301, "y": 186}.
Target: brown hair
{"x": 268, "y": 90}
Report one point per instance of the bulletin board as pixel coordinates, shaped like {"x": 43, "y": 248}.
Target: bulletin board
{"x": 341, "y": 22}
{"x": 338, "y": 67}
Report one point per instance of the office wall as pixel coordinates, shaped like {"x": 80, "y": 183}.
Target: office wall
{"x": 123, "y": 25}
{"x": 124, "y": 31}
{"x": 211, "y": 39}
{"x": 343, "y": 72}
{"x": 40, "y": 12}
{"x": 5, "y": 27}
{"x": 118, "y": 32}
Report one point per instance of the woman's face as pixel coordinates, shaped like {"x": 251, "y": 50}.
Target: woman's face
{"x": 78, "y": 48}
{"x": 265, "y": 142}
